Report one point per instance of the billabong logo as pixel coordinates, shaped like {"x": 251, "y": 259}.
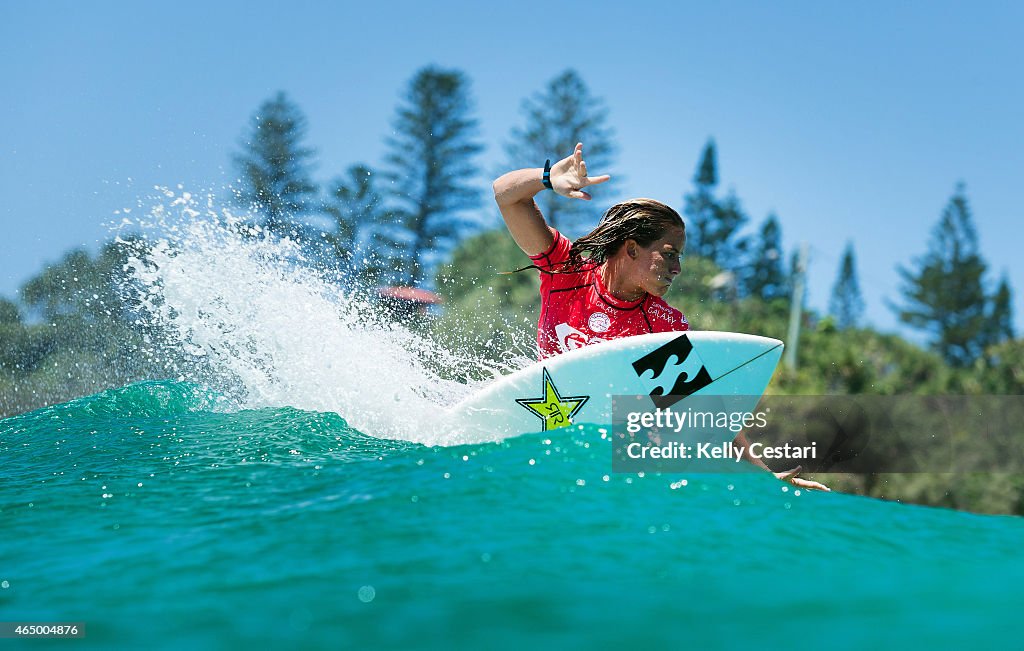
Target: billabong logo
{"x": 657, "y": 361}
{"x": 552, "y": 408}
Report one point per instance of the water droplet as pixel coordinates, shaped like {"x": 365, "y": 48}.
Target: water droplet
{"x": 532, "y": 462}
{"x": 652, "y": 529}
{"x": 5, "y": 585}
{"x": 367, "y": 594}
{"x": 797, "y": 492}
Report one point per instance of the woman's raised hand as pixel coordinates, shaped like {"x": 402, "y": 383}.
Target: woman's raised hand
{"x": 569, "y": 176}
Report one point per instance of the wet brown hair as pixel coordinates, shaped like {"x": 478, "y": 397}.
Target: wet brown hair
{"x": 643, "y": 220}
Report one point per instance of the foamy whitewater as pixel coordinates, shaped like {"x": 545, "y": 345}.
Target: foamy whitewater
{"x": 266, "y": 325}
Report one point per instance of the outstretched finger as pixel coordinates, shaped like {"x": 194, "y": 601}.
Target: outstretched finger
{"x": 579, "y": 194}
{"x": 812, "y": 485}
{"x": 593, "y": 180}
{"x": 789, "y": 474}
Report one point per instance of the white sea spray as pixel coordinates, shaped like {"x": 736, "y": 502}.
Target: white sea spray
{"x": 257, "y": 316}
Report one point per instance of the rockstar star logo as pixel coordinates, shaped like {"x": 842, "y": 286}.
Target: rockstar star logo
{"x": 554, "y": 410}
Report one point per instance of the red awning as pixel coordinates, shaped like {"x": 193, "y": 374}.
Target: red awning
{"x": 410, "y": 294}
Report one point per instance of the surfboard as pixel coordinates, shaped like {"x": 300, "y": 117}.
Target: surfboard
{"x": 577, "y": 386}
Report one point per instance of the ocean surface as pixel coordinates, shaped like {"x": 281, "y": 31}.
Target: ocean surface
{"x": 162, "y": 522}
{"x": 293, "y": 486}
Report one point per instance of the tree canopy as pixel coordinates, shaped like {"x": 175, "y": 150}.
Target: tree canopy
{"x": 564, "y": 113}
{"x": 275, "y": 166}
{"x": 431, "y": 164}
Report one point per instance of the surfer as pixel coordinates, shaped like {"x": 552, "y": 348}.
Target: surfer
{"x": 608, "y": 283}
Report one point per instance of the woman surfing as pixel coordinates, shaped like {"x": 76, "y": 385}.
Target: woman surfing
{"x": 609, "y": 283}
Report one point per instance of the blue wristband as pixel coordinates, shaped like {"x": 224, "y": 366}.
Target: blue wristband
{"x": 546, "y": 179}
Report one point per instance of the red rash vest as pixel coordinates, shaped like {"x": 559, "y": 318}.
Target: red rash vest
{"x": 576, "y": 308}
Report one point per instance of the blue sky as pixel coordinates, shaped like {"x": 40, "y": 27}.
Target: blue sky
{"x": 851, "y": 121}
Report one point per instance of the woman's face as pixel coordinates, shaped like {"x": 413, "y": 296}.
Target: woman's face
{"x": 655, "y": 266}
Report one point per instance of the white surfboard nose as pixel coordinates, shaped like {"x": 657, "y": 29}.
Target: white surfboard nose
{"x": 724, "y": 352}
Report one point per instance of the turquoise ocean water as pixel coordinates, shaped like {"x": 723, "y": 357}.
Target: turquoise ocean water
{"x": 163, "y": 521}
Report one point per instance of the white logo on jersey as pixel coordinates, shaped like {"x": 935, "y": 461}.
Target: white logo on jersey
{"x": 569, "y": 337}
{"x": 599, "y": 322}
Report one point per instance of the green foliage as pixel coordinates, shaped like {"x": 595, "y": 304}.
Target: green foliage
{"x": 557, "y": 118}
{"x": 25, "y": 347}
{"x": 846, "y": 304}
{"x": 698, "y": 293}
{"x": 855, "y": 360}
{"x": 275, "y": 166}
{"x": 88, "y": 340}
{"x": 81, "y": 290}
{"x": 1000, "y": 319}
{"x": 9, "y": 312}
{"x": 489, "y": 313}
{"x": 999, "y": 372}
{"x": 945, "y": 294}
{"x": 431, "y": 167}
{"x": 695, "y": 292}
{"x": 977, "y": 492}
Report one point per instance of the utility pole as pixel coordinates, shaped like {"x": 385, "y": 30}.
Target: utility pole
{"x": 796, "y": 308}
